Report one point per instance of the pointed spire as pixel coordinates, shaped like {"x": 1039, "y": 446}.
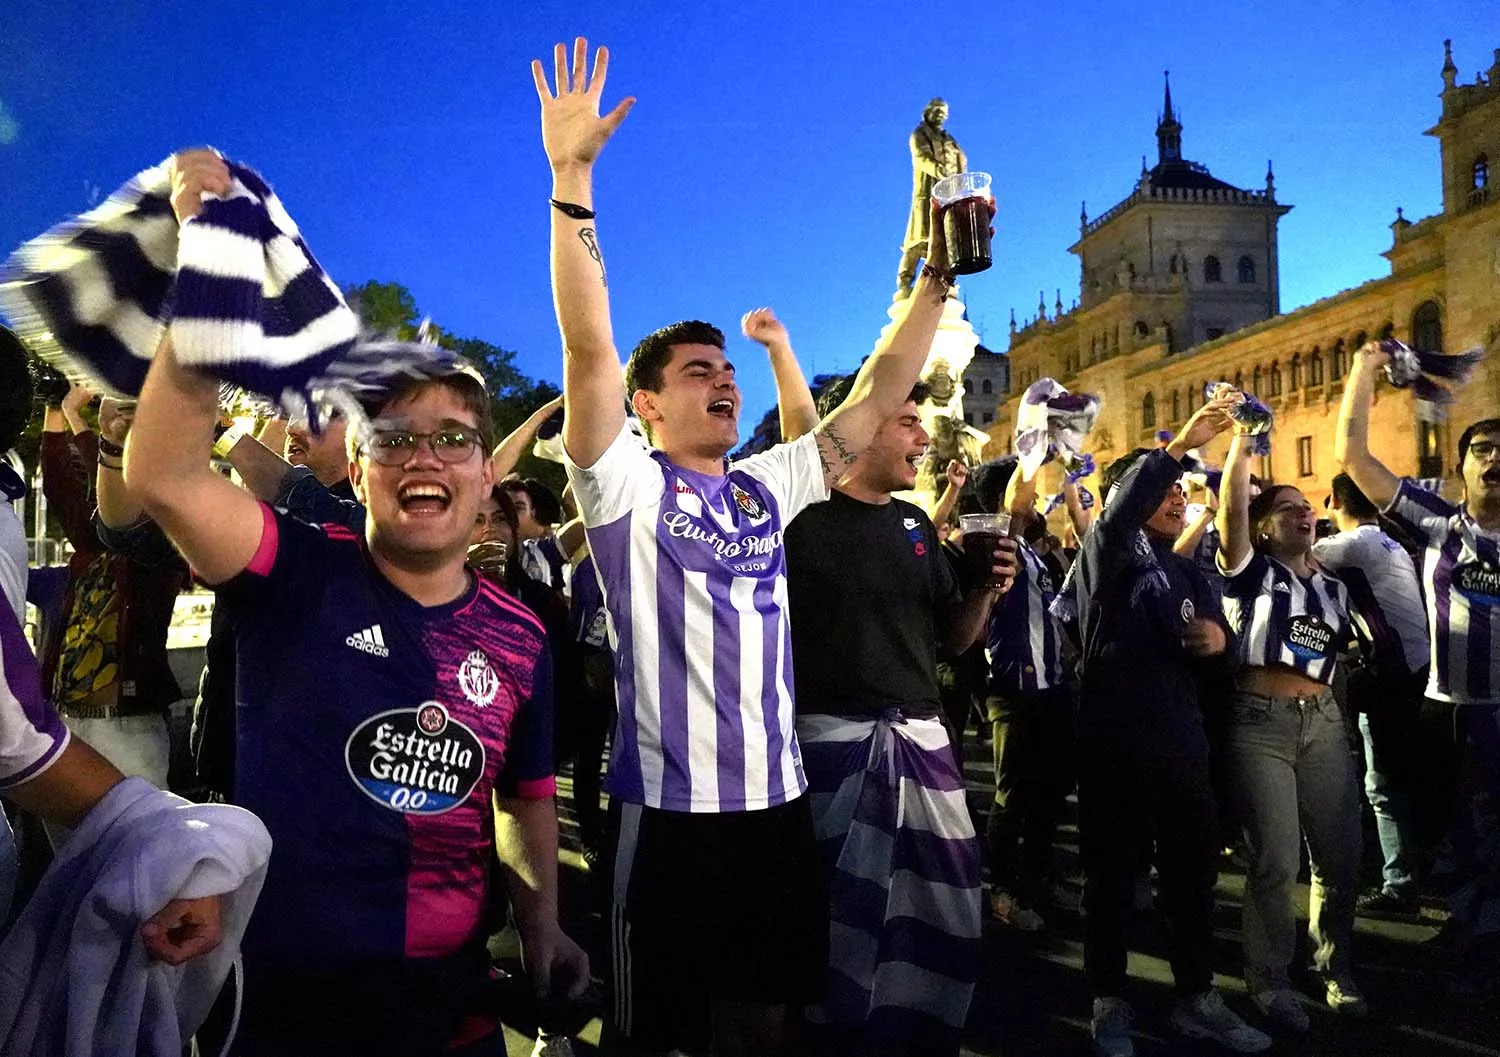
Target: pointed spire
{"x": 1041, "y": 304}
{"x": 1450, "y": 71}
{"x": 1168, "y": 128}
{"x": 1270, "y": 180}
{"x": 1013, "y": 319}
{"x": 1057, "y": 305}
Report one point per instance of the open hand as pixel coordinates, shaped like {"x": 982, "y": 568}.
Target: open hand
{"x": 183, "y": 929}
{"x": 573, "y": 133}
{"x": 763, "y": 327}
{"x": 195, "y": 172}
{"x": 1207, "y": 423}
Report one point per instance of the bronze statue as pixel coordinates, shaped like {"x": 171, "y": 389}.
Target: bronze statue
{"x": 934, "y": 154}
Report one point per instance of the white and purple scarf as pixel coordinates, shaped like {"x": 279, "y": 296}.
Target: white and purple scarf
{"x": 244, "y": 298}
{"x": 1420, "y": 371}
{"x": 1053, "y": 422}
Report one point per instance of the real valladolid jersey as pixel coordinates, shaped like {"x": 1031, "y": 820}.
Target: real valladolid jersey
{"x": 694, "y": 583}
{"x": 1461, "y": 573}
{"x": 372, "y": 733}
{"x": 1281, "y": 618}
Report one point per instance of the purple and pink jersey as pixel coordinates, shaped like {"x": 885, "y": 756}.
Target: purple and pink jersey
{"x": 1461, "y": 576}
{"x": 694, "y": 581}
{"x": 372, "y": 733}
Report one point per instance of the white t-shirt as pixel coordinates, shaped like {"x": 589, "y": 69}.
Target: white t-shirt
{"x": 694, "y": 579}
{"x": 1383, "y": 587}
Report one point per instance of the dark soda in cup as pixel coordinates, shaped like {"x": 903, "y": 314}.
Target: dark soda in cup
{"x": 966, "y": 229}
{"x": 982, "y": 534}
{"x": 964, "y": 201}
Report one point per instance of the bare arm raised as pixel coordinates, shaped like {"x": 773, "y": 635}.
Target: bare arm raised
{"x": 215, "y": 525}
{"x": 573, "y": 134}
{"x": 1351, "y": 445}
{"x": 795, "y": 407}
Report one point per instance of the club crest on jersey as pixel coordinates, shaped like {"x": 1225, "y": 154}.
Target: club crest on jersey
{"x": 478, "y": 680}
{"x": 687, "y": 499}
{"x": 1188, "y": 611}
{"x": 417, "y": 761}
{"x": 1309, "y": 638}
{"x": 754, "y": 509}
{"x": 1478, "y": 582}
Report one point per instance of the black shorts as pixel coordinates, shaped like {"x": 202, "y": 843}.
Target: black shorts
{"x": 730, "y": 906}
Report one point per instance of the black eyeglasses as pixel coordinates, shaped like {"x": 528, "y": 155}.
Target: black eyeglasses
{"x": 395, "y": 447}
{"x": 1482, "y": 449}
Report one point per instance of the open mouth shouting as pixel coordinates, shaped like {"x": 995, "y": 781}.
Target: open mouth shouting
{"x": 1491, "y": 477}
{"x": 424, "y": 498}
{"x": 723, "y": 409}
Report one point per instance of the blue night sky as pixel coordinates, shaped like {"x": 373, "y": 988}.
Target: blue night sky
{"x": 766, "y": 161}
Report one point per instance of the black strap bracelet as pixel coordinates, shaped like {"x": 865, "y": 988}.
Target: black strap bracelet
{"x": 572, "y": 211}
{"x": 109, "y": 447}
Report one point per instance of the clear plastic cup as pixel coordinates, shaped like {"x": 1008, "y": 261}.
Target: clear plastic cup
{"x": 964, "y": 202}
{"x": 982, "y": 534}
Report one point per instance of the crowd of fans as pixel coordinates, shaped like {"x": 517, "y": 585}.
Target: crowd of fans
{"x": 409, "y": 641}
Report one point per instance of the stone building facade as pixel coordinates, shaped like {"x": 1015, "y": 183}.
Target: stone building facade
{"x": 1179, "y": 288}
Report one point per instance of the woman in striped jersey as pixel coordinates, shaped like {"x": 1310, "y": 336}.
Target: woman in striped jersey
{"x": 1289, "y": 769}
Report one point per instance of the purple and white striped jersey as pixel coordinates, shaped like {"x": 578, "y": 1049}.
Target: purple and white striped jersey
{"x": 694, "y": 580}
{"x": 1280, "y": 618}
{"x": 1461, "y": 574}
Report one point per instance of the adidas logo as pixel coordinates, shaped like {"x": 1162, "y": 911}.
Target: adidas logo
{"x": 369, "y": 641}
{"x": 1282, "y": 588}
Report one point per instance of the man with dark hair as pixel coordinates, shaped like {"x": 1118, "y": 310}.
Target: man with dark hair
{"x": 1385, "y": 684}
{"x": 872, "y": 597}
{"x": 1461, "y": 582}
{"x": 719, "y": 924}
{"x": 393, "y": 713}
{"x": 1149, "y": 623}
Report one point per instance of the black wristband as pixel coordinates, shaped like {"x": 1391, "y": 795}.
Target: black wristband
{"x": 573, "y": 212}
{"x": 109, "y": 447}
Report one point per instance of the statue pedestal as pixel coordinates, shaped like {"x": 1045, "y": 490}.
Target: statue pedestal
{"x": 952, "y": 349}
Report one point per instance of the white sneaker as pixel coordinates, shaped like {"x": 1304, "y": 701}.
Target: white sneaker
{"x": 1283, "y": 1009}
{"x": 553, "y": 1046}
{"x": 1206, "y": 1016}
{"x": 1345, "y": 997}
{"x": 1111, "y": 1028}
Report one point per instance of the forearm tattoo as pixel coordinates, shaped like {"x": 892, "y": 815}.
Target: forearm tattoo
{"x": 591, "y": 243}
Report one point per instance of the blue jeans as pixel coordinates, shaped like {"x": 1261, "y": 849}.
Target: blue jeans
{"x": 1291, "y": 775}
{"x": 1393, "y": 822}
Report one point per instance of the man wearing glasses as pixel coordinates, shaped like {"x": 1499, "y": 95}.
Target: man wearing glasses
{"x": 386, "y": 695}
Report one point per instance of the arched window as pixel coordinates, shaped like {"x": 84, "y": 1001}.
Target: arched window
{"x": 1255, "y": 380}
{"x": 1275, "y": 378}
{"x": 1176, "y": 407}
{"x": 1338, "y": 359}
{"x": 1296, "y": 371}
{"x": 1480, "y": 174}
{"x": 1247, "y": 269}
{"x": 1387, "y": 330}
{"x": 986, "y": 387}
{"x": 1315, "y": 367}
{"x": 1172, "y": 265}
{"x": 1211, "y": 270}
{"x": 1239, "y": 379}
{"x": 1148, "y": 411}
{"x": 1427, "y": 327}
{"x": 1142, "y": 330}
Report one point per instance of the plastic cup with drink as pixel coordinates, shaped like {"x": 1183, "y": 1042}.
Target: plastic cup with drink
{"x": 982, "y": 536}
{"x": 964, "y": 201}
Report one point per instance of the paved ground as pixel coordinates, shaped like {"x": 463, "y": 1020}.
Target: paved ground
{"x": 1032, "y": 1000}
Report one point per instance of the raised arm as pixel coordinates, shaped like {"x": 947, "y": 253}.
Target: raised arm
{"x": 509, "y": 451}
{"x": 1351, "y": 445}
{"x": 118, "y": 506}
{"x": 1020, "y": 494}
{"x": 573, "y": 134}
{"x": 885, "y": 380}
{"x": 215, "y": 525}
{"x": 1080, "y": 517}
{"x": 1187, "y": 543}
{"x": 261, "y": 467}
{"x": 956, "y": 474}
{"x": 66, "y": 476}
{"x": 1234, "y": 505}
{"x": 795, "y": 406}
